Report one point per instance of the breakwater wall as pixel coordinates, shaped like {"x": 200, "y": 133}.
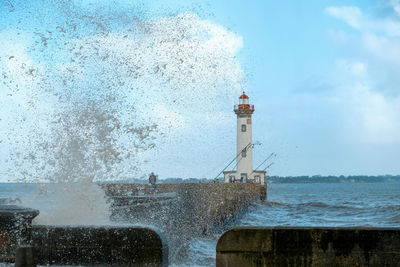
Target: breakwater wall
{"x": 15, "y": 229}
{"x": 309, "y": 246}
{"x": 117, "y": 245}
{"x": 180, "y": 211}
{"x": 196, "y": 207}
{"x": 184, "y": 210}
{"x": 97, "y": 245}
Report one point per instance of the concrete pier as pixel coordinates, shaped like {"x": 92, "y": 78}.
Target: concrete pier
{"x": 184, "y": 210}
{"x": 95, "y": 245}
{"x": 181, "y": 211}
{"x": 15, "y": 230}
{"x": 309, "y": 246}
{"x": 28, "y": 245}
{"x": 195, "y": 207}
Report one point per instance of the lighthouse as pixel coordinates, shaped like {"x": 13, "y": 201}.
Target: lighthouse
{"x": 244, "y": 146}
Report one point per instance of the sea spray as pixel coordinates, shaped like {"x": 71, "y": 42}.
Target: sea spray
{"x": 87, "y": 94}
{"x": 81, "y": 203}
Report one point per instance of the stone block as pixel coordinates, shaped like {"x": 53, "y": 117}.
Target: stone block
{"x": 95, "y": 245}
{"x": 309, "y": 246}
{"x": 15, "y": 222}
{"x": 183, "y": 210}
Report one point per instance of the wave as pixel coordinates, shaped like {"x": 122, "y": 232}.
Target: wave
{"x": 344, "y": 206}
{"x": 395, "y": 219}
{"x": 388, "y": 208}
{"x": 315, "y": 205}
{"x": 319, "y": 204}
{"x": 274, "y": 203}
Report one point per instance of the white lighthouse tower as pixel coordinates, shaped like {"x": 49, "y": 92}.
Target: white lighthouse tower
{"x": 244, "y": 147}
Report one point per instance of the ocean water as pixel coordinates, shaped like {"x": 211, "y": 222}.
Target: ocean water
{"x": 337, "y": 204}
{"x": 318, "y": 204}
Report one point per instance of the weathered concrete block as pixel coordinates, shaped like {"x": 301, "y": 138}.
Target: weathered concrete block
{"x": 15, "y": 224}
{"x": 194, "y": 207}
{"x": 182, "y": 210}
{"x": 93, "y": 245}
{"x": 263, "y": 192}
{"x": 309, "y": 246}
{"x": 25, "y": 257}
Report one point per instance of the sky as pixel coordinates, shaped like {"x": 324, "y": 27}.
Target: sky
{"x": 323, "y": 76}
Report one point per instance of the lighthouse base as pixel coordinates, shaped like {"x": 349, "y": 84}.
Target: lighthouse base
{"x": 257, "y": 177}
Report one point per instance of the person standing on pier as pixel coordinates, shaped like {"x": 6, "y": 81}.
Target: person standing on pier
{"x": 152, "y": 180}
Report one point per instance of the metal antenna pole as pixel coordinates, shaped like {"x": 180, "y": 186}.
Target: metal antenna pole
{"x": 269, "y": 166}
{"x": 272, "y": 154}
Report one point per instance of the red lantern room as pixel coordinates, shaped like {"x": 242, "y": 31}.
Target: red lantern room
{"x": 243, "y": 99}
{"x": 244, "y": 103}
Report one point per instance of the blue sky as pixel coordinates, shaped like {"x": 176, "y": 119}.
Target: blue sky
{"x": 323, "y": 75}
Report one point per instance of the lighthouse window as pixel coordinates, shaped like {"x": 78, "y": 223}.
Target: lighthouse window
{"x": 243, "y": 127}
{"x": 243, "y": 153}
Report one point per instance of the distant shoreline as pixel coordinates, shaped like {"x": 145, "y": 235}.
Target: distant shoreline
{"x": 334, "y": 179}
{"x": 270, "y": 180}
{"x": 285, "y": 179}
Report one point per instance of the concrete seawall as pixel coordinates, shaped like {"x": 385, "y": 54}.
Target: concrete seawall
{"x": 94, "y": 245}
{"x": 309, "y": 246}
{"x": 197, "y": 207}
{"x": 182, "y": 211}
{"x": 28, "y": 245}
{"x": 208, "y": 206}
{"x": 15, "y": 229}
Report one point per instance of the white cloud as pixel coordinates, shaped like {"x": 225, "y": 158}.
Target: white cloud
{"x": 374, "y": 117}
{"x": 357, "y": 69}
{"x": 351, "y": 15}
{"x": 379, "y": 117}
{"x": 368, "y": 91}
{"x": 382, "y": 48}
{"x": 356, "y": 19}
{"x": 396, "y": 5}
{"x": 369, "y": 115}
{"x": 338, "y": 35}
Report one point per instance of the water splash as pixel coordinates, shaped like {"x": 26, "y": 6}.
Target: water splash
{"x": 81, "y": 203}
{"x": 85, "y": 96}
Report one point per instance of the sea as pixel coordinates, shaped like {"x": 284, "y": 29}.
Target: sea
{"x": 307, "y": 204}
{"x": 313, "y": 204}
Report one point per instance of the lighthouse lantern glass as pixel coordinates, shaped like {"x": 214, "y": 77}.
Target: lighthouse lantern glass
{"x": 243, "y": 101}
